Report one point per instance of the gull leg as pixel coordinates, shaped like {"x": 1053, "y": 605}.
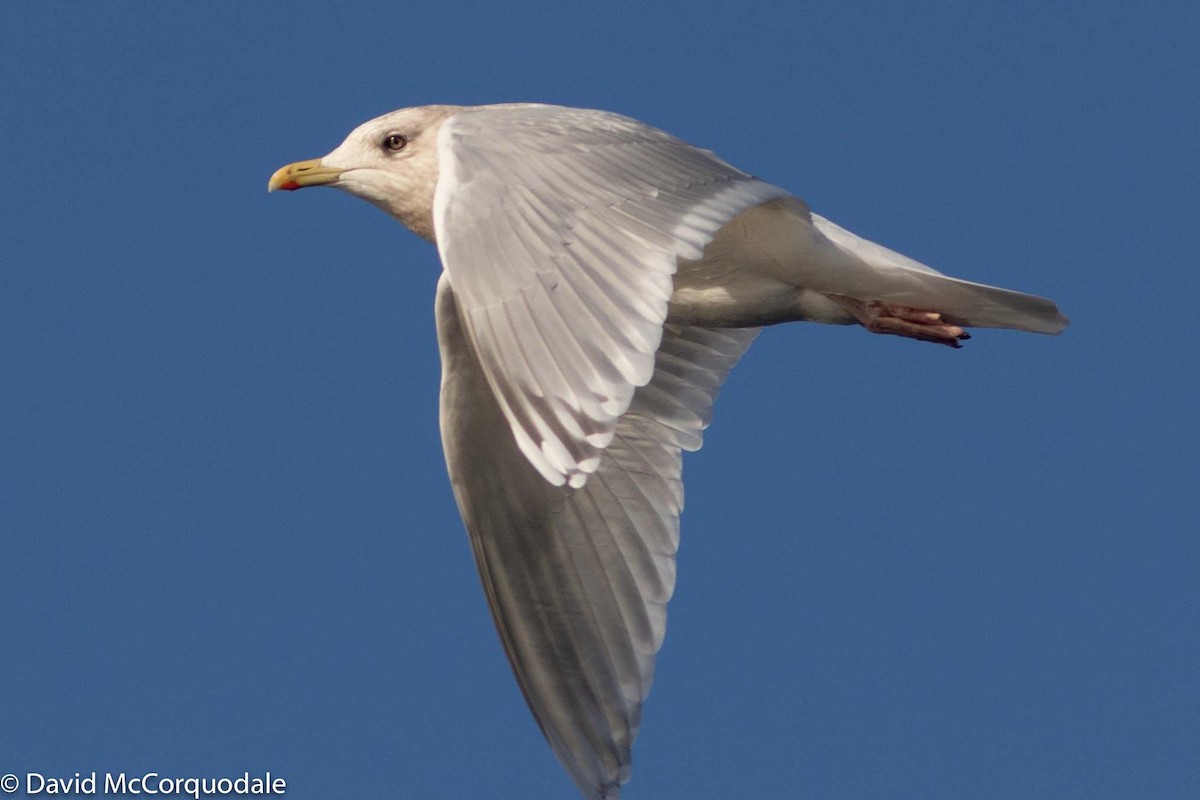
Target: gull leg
{"x": 915, "y": 323}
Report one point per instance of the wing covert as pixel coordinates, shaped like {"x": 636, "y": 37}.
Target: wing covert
{"x": 561, "y": 229}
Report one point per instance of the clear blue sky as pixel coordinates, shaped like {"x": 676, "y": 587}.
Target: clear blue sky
{"x": 227, "y": 541}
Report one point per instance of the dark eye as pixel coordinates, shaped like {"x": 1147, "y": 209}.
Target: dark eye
{"x": 394, "y": 141}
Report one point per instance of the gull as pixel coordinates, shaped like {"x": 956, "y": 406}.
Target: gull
{"x": 600, "y": 279}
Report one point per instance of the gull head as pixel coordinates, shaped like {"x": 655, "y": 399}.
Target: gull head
{"x": 391, "y": 162}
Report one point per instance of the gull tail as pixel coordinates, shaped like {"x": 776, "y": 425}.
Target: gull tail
{"x": 852, "y": 266}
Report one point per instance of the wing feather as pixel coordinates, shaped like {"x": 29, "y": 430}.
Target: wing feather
{"x": 578, "y": 579}
{"x": 561, "y": 229}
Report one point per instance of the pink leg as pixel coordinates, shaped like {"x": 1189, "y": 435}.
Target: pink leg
{"x": 914, "y": 323}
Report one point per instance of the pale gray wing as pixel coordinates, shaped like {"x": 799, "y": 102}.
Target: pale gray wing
{"x": 560, "y": 229}
{"x": 578, "y": 579}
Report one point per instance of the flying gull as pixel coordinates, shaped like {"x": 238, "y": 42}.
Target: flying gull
{"x": 600, "y": 279}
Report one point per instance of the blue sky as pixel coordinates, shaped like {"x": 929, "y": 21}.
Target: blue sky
{"x": 227, "y": 542}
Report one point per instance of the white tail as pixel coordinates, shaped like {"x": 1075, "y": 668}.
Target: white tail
{"x": 869, "y": 271}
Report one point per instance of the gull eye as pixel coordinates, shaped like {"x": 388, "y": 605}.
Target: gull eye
{"x": 394, "y": 142}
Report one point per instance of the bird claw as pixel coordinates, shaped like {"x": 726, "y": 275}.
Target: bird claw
{"x": 914, "y": 323}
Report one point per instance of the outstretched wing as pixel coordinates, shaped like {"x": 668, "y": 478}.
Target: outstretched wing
{"x": 560, "y": 229}
{"x": 578, "y": 579}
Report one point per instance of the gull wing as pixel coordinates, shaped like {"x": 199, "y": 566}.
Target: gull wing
{"x": 560, "y": 229}
{"x": 578, "y": 579}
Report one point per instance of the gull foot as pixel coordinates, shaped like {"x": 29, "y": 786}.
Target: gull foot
{"x": 915, "y": 323}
